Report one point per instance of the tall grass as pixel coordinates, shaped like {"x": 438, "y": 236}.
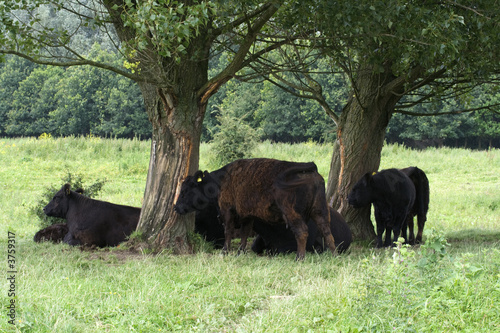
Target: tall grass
{"x": 435, "y": 288}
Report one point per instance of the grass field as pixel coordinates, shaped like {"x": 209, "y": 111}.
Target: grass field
{"x": 451, "y": 284}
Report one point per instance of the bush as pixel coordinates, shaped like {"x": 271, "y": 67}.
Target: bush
{"x": 234, "y": 140}
{"x": 76, "y": 181}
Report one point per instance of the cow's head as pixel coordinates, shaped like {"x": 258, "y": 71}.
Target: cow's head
{"x": 197, "y": 192}
{"x": 361, "y": 193}
{"x": 58, "y": 206}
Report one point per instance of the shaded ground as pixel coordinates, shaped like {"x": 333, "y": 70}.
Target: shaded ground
{"x": 134, "y": 249}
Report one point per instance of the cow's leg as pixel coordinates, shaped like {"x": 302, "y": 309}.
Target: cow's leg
{"x": 388, "y": 236}
{"x": 299, "y": 229}
{"x": 402, "y": 228}
{"x": 246, "y": 228}
{"x": 409, "y": 223}
{"x": 421, "y": 222}
{"x": 380, "y": 232}
{"x": 323, "y": 223}
{"x": 381, "y": 227}
{"x": 398, "y": 223}
{"x": 396, "y": 229}
{"x": 227, "y": 219}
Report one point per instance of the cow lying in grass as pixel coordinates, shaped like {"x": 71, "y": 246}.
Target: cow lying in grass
{"x": 392, "y": 193}
{"x": 90, "y": 221}
{"x": 277, "y": 192}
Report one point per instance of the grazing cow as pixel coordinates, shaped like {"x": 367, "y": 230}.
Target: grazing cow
{"x": 92, "y": 222}
{"x": 421, "y": 205}
{"x": 54, "y": 233}
{"x": 392, "y": 194}
{"x": 277, "y": 192}
{"x": 275, "y": 239}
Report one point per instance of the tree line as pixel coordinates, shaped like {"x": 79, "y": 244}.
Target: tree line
{"x": 85, "y": 100}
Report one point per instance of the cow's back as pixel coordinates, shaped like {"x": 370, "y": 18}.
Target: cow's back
{"x": 249, "y": 186}
{"x": 394, "y": 186}
{"x": 101, "y": 223}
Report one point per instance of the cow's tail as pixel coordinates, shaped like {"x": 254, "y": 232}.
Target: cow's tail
{"x": 289, "y": 179}
{"x": 422, "y": 193}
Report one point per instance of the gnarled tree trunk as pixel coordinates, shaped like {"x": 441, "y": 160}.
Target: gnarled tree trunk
{"x": 360, "y": 137}
{"x": 174, "y": 155}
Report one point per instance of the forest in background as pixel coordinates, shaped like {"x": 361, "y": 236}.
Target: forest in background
{"x": 84, "y": 100}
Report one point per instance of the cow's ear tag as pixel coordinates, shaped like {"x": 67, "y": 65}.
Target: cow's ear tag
{"x": 199, "y": 180}
{"x": 374, "y": 173}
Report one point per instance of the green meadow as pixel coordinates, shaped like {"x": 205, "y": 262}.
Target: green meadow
{"x": 449, "y": 284}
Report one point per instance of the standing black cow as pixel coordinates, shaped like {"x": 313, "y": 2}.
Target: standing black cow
{"x": 421, "y": 205}
{"x": 275, "y": 239}
{"x": 277, "y": 192}
{"x": 90, "y": 221}
{"x": 392, "y": 194}
{"x": 207, "y": 224}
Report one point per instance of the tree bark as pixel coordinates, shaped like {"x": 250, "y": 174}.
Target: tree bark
{"x": 174, "y": 155}
{"x": 360, "y": 137}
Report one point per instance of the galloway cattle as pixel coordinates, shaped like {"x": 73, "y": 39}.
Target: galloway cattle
{"x": 277, "y": 192}
{"x": 392, "y": 194}
{"x": 207, "y": 224}
{"x": 273, "y": 239}
{"x": 90, "y": 221}
{"x": 276, "y": 239}
{"x": 54, "y": 233}
{"x": 421, "y": 205}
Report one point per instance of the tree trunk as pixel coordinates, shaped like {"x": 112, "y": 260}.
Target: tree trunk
{"x": 174, "y": 155}
{"x": 176, "y": 90}
{"x": 360, "y": 137}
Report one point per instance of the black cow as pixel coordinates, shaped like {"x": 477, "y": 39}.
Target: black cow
{"x": 90, "y": 221}
{"x": 54, "y": 233}
{"x": 392, "y": 194}
{"x": 207, "y": 224}
{"x": 277, "y": 192}
{"x": 421, "y": 205}
{"x": 275, "y": 239}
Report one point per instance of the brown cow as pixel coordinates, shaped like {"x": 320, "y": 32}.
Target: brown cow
{"x": 278, "y": 192}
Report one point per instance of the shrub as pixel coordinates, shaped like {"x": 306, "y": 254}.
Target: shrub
{"x": 76, "y": 181}
{"x": 234, "y": 140}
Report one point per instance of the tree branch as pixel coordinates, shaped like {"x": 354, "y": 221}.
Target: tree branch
{"x": 211, "y": 87}
{"x": 491, "y": 108}
{"x": 129, "y": 75}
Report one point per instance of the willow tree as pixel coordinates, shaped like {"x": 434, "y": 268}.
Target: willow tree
{"x": 167, "y": 46}
{"x": 393, "y": 54}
